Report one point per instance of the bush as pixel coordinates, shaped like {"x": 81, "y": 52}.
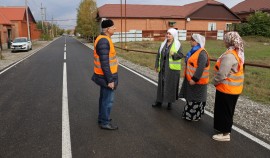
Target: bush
{"x": 257, "y": 24}
{"x": 46, "y": 37}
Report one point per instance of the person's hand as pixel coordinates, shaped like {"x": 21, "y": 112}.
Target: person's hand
{"x": 191, "y": 82}
{"x": 111, "y": 85}
{"x": 171, "y": 53}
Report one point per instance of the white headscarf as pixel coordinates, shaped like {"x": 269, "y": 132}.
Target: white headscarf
{"x": 174, "y": 33}
{"x": 199, "y": 39}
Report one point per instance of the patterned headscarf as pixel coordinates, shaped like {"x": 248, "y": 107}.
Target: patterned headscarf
{"x": 233, "y": 39}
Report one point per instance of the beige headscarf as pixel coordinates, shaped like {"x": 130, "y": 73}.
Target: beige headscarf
{"x": 234, "y": 41}
{"x": 174, "y": 33}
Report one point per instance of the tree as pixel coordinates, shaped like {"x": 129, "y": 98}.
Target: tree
{"x": 257, "y": 24}
{"x": 86, "y": 19}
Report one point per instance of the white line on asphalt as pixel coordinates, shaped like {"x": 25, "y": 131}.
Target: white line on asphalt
{"x": 65, "y": 55}
{"x": 255, "y": 139}
{"x": 66, "y": 143}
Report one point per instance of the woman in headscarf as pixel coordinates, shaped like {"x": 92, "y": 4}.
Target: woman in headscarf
{"x": 228, "y": 80}
{"x": 168, "y": 66}
{"x": 194, "y": 87}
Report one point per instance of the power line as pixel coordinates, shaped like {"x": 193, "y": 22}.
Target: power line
{"x": 59, "y": 20}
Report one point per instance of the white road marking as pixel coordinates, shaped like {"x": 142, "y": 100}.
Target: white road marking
{"x": 66, "y": 142}
{"x": 65, "y": 55}
{"x": 253, "y": 138}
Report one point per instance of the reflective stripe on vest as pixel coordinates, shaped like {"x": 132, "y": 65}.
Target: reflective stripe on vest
{"x": 112, "y": 57}
{"x": 173, "y": 64}
{"x": 192, "y": 65}
{"x": 233, "y": 84}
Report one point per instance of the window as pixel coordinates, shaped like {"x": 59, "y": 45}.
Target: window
{"x": 171, "y": 23}
{"x": 212, "y": 26}
{"x": 228, "y": 27}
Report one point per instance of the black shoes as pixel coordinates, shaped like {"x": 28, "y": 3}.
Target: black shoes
{"x": 156, "y": 104}
{"x": 109, "y": 127}
{"x": 169, "y": 107}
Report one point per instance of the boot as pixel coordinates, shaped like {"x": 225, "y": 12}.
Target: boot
{"x": 169, "y": 107}
{"x": 156, "y": 104}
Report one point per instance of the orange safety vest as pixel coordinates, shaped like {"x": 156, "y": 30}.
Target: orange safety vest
{"x": 233, "y": 84}
{"x": 112, "y": 57}
{"x": 192, "y": 65}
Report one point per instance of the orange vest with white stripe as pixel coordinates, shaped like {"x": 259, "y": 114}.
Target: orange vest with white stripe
{"x": 233, "y": 84}
{"x": 192, "y": 65}
{"x": 112, "y": 57}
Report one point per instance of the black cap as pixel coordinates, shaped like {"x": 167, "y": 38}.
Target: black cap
{"x": 107, "y": 23}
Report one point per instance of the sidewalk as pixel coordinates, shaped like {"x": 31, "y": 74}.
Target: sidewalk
{"x": 9, "y": 58}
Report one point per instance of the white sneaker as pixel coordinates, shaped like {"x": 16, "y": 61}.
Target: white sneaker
{"x": 221, "y": 137}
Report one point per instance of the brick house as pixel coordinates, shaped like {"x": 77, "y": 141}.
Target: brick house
{"x": 247, "y": 7}
{"x": 17, "y": 24}
{"x": 5, "y": 30}
{"x": 207, "y": 15}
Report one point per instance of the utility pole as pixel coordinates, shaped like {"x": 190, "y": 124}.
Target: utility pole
{"x": 42, "y": 17}
{"x": 52, "y": 28}
{"x": 46, "y": 21}
{"x": 27, "y": 19}
{"x": 125, "y": 24}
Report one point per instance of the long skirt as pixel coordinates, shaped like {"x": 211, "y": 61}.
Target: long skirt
{"x": 193, "y": 111}
{"x": 224, "y": 111}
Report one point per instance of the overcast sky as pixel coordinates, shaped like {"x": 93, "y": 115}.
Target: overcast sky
{"x": 65, "y": 10}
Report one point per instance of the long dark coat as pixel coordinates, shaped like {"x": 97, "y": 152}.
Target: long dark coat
{"x": 168, "y": 80}
{"x": 197, "y": 92}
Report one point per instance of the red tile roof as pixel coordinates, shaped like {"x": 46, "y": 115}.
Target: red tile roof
{"x": 251, "y": 5}
{"x": 13, "y": 13}
{"x": 4, "y": 20}
{"x": 153, "y": 11}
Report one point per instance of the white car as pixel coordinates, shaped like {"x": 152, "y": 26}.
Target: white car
{"x": 21, "y": 43}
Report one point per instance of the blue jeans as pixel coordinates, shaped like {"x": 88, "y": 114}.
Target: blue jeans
{"x": 106, "y": 99}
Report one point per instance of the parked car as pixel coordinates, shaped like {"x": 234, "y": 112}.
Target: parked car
{"x": 21, "y": 43}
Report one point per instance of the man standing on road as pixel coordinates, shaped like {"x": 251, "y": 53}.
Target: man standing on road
{"x": 105, "y": 73}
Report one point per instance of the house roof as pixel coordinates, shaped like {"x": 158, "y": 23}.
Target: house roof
{"x": 251, "y": 6}
{"x": 154, "y": 11}
{"x": 4, "y": 20}
{"x": 15, "y": 13}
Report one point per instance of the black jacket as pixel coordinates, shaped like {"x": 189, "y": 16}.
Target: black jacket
{"x": 103, "y": 50}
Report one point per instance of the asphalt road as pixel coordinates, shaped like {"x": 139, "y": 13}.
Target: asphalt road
{"x": 31, "y": 114}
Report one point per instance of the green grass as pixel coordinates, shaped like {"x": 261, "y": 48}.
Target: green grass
{"x": 257, "y": 51}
